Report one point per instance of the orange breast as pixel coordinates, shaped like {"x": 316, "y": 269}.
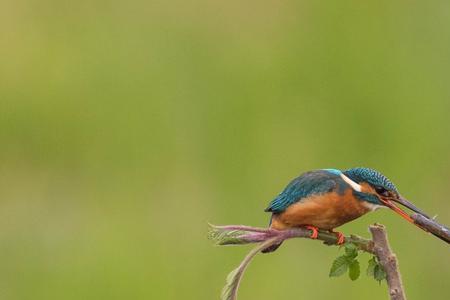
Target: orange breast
{"x": 325, "y": 211}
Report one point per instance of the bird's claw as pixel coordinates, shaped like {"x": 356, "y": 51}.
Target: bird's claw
{"x": 315, "y": 232}
{"x": 340, "y": 237}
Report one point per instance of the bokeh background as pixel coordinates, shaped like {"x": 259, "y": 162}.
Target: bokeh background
{"x": 126, "y": 126}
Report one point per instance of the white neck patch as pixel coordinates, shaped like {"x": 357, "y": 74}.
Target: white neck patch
{"x": 353, "y": 184}
{"x": 371, "y": 206}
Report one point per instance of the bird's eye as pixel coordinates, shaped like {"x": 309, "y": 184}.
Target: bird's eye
{"x": 381, "y": 191}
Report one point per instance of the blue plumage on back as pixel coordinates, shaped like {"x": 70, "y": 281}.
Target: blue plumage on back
{"x": 307, "y": 184}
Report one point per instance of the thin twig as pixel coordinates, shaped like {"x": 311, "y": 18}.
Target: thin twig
{"x": 241, "y": 234}
{"x": 433, "y": 227}
{"x": 234, "y": 278}
{"x": 389, "y": 262}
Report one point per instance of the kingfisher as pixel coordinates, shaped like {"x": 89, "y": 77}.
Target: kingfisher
{"x": 328, "y": 198}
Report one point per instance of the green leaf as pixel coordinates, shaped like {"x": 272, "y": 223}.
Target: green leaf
{"x": 379, "y": 274}
{"x": 376, "y": 270}
{"x": 354, "y": 270}
{"x": 339, "y": 266}
{"x": 371, "y": 267}
{"x": 351, "y": 250}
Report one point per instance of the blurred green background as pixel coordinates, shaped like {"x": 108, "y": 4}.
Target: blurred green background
{"x": 126, "y": 126}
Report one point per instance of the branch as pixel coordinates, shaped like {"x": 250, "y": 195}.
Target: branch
{"x": 389, "y": 262}
{"x": 240, "y": 234}
{"x": 433, "y": 227}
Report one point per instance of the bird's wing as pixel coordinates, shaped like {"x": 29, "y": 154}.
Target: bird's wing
{"x": 307, "y": 184}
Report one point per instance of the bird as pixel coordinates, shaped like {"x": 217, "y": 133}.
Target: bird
{"x": 328, "y": 198}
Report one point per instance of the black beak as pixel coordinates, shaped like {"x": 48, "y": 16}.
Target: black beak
{"x": 411, "y": 206}
{"x": 390, "y": 202}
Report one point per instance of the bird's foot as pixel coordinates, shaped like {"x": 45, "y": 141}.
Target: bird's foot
{"x": 315, "y": 231}
{"x": 340, "y": 237}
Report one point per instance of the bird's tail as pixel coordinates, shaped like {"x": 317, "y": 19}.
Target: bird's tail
{"x": 271, "y": 248}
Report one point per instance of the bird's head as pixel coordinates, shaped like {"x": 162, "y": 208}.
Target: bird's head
{"x": 377, "y": 191}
